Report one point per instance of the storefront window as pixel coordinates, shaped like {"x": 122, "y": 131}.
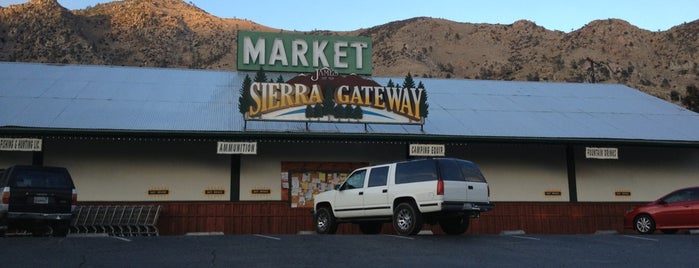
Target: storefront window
{"x": 301, "y": 181}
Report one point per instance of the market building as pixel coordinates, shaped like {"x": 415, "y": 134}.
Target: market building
{"x": 559, "y": 157}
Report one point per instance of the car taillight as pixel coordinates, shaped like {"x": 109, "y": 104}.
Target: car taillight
{"x": 74, "y": 198}
{"x": 488, "y": 190}
{"x": 6, "y": 195}
{"x": 440, "y": 187}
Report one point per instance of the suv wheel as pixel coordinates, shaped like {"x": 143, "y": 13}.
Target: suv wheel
{"x": 454, "y": 226}
{"x": 407, "y": 220}
{"x": 325, "y": 222}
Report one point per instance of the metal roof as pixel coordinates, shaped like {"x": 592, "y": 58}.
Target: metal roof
{"x": 45, "y": 97}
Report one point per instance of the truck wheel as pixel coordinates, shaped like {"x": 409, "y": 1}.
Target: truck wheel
{"x": 372, "y": 227}
{"x": 454, "y": 226}
{"x": 41, "y": 229}
{"x": 61, "y": 228}
{"x": 407, "y": 220}
{"x": 325, "y": 222}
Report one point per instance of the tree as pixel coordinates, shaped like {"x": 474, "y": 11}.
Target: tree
{"x": 260, "y": 76}
{"x": 244, "y": 96}
{"x": 692, "y": 98}
{"x": 328, "y": 101}
{"x": 280, "y": 79}
{"x": 675, "y": 95}
{"x": 390, "y": 83}
{"x": 340, "y": 111}
{"x": 408, "y": 82}
{"x": 357, "y": 113}
{"x": 309, "y": 111}
{"x": 423, "y": 100}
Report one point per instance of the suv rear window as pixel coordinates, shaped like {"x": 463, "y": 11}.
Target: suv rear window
{"x": 416, "y": 171}
{"x": 471, "y": 172}
{"x": 459, "y": 170}
{"x": 450, "y": 170}
{"x": 51, "y": 179}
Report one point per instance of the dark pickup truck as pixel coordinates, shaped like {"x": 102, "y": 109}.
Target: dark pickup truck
{"x": 37, "y": 199}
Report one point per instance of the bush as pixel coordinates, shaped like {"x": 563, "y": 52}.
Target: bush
{"x": 691, "y": 101}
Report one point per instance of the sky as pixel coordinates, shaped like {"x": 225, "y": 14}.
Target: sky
{"x": 333, "y": 15}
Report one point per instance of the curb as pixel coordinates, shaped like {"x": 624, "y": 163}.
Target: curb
{"x": 425, "y": 232}
{"x": 606, "y": 232}
{"x": 88, "y": 235}
{"x": 513, "y": 232}
{"x": 203, "y": 233}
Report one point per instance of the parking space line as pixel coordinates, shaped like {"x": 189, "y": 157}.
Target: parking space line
{"x": 642, "y": 238}
{"x": 268, "y": 237}
{"x": 526, "y": 237}
{"x": 403, "y": 237}
{"x": 121, "y": 238}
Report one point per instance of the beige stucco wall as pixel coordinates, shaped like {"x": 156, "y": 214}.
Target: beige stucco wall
{"x": 519, "y": 172}
{"x": 124, "y": 170}
{"x": 646, "y": 172}
{"x": 127, "y": 170}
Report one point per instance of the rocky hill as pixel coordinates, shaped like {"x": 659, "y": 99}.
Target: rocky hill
{"x": 173, "y": 33}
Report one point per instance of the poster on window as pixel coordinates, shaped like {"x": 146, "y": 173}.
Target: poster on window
{"x": 301, "y": 181}
{"x": 305, "y": 185}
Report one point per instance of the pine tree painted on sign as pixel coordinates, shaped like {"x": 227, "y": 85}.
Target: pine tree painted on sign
{"x": 424, "y": 105}
{"x": 408, "y": 82}
{"x": 260, "y": 76}
{"x": 328, "y": 101}
{"x": 244, "y": 96}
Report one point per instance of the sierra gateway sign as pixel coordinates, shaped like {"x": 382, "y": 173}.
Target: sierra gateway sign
{"x": 326, "y": 96}
{"x": 277, "y": 52}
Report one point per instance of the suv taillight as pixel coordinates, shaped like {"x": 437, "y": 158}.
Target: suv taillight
{"x": 440, "y": 187}
{"x": 74, "y": 198}
{"x": 6, "y": 195}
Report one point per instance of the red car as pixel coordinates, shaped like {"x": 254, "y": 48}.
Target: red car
{"x": 676, "y": 210}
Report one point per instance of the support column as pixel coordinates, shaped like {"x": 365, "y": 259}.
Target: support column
{"x": 38, "y": 158}
{"x": 235, "y": 178}
{"x": 572, "y": 180}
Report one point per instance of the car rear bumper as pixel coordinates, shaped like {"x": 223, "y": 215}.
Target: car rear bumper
{"x": 39, "y": 216}
{"x": 467, "y": 206}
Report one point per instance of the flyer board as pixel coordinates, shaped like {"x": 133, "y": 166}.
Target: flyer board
{"x": 301, "y": 181}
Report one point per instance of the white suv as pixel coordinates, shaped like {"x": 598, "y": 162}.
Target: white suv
{"x": 444, "y": 190}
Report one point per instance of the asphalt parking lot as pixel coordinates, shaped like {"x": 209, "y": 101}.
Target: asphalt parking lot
{"x": 607, "y": 250}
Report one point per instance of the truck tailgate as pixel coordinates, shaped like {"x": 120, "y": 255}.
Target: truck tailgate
{"x": 466, "y": 191}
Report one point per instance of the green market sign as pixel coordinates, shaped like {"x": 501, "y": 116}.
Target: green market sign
{"x": 277, "y": 52}
{"x": 326, "y": 96}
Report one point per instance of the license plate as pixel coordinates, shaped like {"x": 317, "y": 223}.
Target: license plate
{"x": 41, "y": 200}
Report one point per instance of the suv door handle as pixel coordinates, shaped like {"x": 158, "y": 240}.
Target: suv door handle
{"x": 384, "y": 191}
{"x": 361, "y": 193}
{"x": 470, "y": 187}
